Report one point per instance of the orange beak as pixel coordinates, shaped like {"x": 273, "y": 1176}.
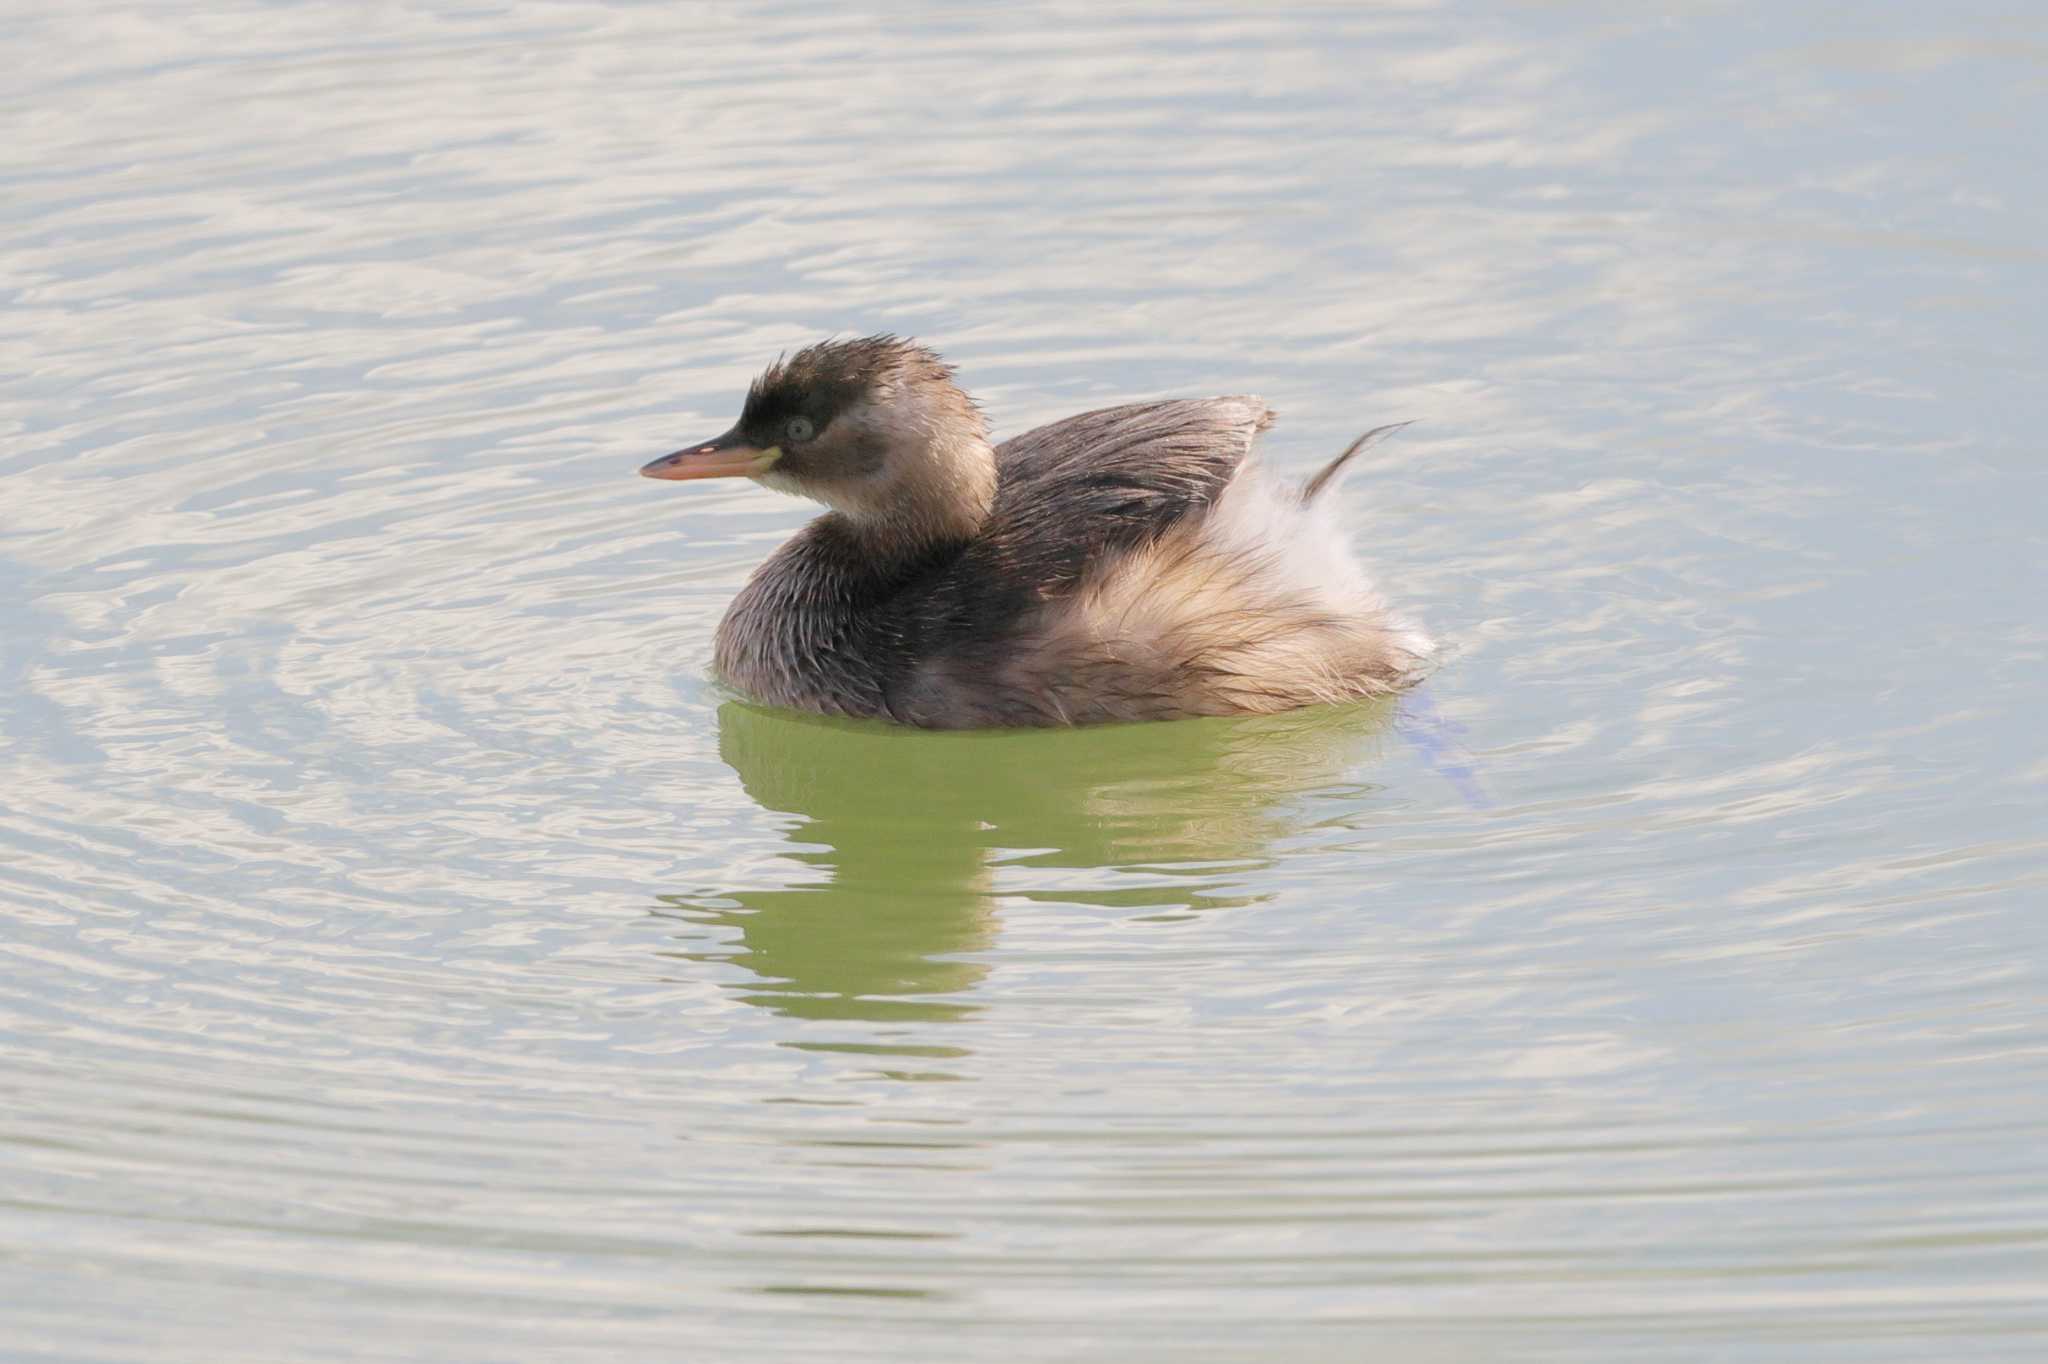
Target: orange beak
{"x": 728, "y": 456}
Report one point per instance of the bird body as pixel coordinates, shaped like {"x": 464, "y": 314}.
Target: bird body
{"x": 1132, "y": 563}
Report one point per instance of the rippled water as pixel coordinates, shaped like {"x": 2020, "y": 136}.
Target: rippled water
{"x": 406, "y": 953}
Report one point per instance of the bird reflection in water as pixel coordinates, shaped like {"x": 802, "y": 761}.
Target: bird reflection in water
{"x": 913, "y": 841}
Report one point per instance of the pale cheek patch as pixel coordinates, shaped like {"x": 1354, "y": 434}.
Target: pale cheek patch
{"x": 775, "y": 479}
{"x": 937, "y": 480}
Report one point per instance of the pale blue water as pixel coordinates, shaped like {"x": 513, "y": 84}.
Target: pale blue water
{"x": 406, "y": 953}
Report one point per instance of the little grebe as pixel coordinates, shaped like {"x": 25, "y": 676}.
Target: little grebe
{"x": 1129, "y": 564}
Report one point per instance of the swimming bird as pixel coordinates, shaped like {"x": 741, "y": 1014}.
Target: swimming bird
{"x": 1132, "y": 563}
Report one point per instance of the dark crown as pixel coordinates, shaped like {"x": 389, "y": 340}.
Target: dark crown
{"x": 821, "y": 381}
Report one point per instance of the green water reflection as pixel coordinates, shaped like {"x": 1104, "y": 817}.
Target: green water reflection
{"x": 914, "y": 842}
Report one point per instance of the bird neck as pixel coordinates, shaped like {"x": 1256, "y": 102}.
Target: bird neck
{"x": 955, "y": 498}
{"x": 941, "y": 501}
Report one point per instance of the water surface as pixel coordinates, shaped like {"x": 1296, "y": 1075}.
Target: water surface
{"x": 407, "y": 953}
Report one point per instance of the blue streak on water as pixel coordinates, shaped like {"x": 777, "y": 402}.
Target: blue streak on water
{"x": 1435, "y": 740}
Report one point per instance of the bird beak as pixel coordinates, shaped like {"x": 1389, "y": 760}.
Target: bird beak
{"x": 728, "y": 456}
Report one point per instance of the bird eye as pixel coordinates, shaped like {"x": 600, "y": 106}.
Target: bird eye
{"x": 799, "y": 428}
